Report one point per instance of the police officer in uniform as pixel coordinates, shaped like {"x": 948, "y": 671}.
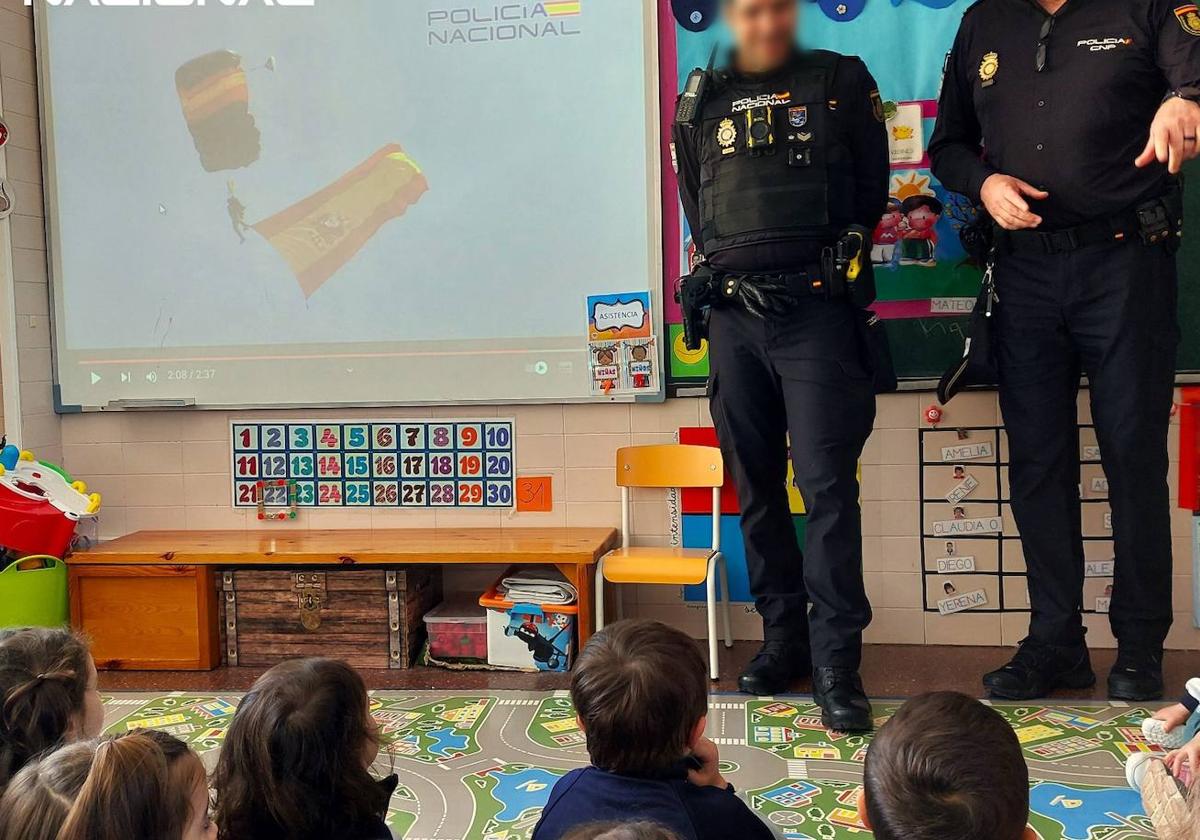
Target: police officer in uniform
{"x": 783, "y": 171}
{"x": 1068, "y": 120}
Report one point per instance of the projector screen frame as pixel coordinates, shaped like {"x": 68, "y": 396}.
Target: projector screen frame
{"x": 654, "y": 270}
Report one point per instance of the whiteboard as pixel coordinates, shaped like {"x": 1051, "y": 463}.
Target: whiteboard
{"x": 357, "y": 202}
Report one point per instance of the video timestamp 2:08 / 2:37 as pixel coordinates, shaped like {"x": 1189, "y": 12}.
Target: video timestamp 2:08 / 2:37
{"x": 190, "y": 374}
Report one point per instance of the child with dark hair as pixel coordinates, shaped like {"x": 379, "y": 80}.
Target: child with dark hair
{"x": 48, "y": 695}
{"x": 946, "y": 767}
{"x": 141, "y": 785}
{"x": 640, "y": 690}
{"x": 297, "y": 757}
{"x": 622, "y": 831}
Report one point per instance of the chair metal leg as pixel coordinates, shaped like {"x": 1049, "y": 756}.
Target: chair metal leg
{"x": 711, "y": 587}
{"x": 724, "y": 567}
{"x": 598, "y": 601}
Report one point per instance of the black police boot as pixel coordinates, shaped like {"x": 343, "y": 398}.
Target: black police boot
{"x": 1137, "y": 674}
{"x": 1038, "y": 669}
{"x": 772, "y": 670}
{"x": 844, "y": 704}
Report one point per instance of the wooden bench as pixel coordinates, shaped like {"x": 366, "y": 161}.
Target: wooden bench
{"x": 149, "y": 600}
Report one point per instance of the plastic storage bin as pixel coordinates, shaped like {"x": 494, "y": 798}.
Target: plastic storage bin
{"x": 33, "y": 593}
{"x": 532, "y": 637}
{"x": 457, "y": 630}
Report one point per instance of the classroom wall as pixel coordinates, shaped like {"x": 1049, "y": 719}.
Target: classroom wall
{"x": 165, "y": 470}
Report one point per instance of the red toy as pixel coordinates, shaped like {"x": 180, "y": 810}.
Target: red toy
{"x": 40, "y": 505}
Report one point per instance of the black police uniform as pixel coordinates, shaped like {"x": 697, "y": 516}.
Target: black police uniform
{"x": 1065, "y": 103}
{"x": 757, "y": 210}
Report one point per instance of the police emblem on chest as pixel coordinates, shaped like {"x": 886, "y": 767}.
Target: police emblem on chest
{"x": 988, "y": 68}
{"x": 726, "y": 136}
{"x": 798, "y": 117}
{"x": 1189, "y": 18}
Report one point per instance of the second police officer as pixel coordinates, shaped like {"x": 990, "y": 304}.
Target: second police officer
{"x": 1068, "y": 120}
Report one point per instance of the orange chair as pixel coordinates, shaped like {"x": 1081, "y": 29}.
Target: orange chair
{"x": 665, "y": 466}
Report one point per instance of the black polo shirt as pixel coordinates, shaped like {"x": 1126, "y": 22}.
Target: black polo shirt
{"x": 1074, "y": 128}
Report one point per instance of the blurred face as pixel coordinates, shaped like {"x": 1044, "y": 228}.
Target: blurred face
{"x": 199, "y": 825}
{"x": 370, "y": 748}
{"x": 90, "y": 720}
{"x": 764, "y": 31}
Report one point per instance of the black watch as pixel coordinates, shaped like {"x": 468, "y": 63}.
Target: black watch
{"x": 1191, "y": 94}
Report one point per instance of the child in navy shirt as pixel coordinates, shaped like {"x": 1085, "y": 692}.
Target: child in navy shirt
{"x": 641, "y": 694}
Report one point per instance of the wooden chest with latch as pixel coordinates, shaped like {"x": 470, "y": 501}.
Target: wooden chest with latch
{"x": 370, "y": 618}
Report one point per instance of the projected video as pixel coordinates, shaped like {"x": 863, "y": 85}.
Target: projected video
{"x": 353, "y": 202}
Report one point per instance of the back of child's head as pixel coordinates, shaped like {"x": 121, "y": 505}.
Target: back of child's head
{"x": 295, "y": 758}
{"x": 139, "y": 787}
{"x": 639, "y": 688}
{"x": 946, "y": 767}
{"x": 47, "y": 694}
{"x": 621, "y": 831}
{"x": 37, "y": 800}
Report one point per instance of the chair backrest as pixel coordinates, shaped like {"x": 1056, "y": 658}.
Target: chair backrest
{"x": 670, "y": 465}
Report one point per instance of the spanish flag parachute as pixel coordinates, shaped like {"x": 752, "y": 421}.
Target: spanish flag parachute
{"x": 216, "y": 104}
{"x": 320, "y": 234}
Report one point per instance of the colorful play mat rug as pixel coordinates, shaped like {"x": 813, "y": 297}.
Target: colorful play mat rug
{"x": 480, "y": 766}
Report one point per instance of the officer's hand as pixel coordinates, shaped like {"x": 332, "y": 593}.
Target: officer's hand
{"x": 1004, "y": 198}
{"x": 1173, "y": 135}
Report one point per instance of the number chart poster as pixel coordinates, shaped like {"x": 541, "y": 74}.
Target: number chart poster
{"x": 925, "y": 289}
{"x": 376, "y": 463}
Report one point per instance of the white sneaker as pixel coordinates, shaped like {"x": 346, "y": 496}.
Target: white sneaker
{"x": 1193, "y": 687}
{"x": 1156, "y": 734}
{"x": 1135, "y": 768}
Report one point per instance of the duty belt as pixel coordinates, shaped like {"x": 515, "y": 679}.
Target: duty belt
{"x": 1156, "y": 222}
{"x": 795, "y": 284}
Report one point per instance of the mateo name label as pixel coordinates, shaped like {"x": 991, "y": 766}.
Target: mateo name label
{"x": 968, "y": 452}
{"x": 968, "y": 527}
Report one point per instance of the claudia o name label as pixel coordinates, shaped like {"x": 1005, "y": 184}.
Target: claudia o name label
{"x": 962, "y": 602}
{"x": 969, "y": 452}
{"x": 968, "y": 527}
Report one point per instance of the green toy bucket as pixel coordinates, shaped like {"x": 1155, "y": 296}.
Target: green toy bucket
{"x": 33, "y": 593}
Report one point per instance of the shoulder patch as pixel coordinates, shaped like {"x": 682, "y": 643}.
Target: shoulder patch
{"x": 1188, "y": 16}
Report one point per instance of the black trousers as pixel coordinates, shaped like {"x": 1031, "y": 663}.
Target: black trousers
{"x": 1108, "y": 311}
{"x": 800, "y": 376}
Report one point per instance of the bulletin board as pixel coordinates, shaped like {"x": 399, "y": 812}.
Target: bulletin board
{"x": 926, "y": 290}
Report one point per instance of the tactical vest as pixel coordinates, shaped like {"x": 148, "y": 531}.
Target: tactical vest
{"x": 764, "y": 155}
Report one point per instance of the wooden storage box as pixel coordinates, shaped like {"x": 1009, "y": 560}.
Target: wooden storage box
{"x": 147, "y": 618}
{"x": 370, "y": 618}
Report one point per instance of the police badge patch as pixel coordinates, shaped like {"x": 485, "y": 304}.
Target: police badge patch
{"x": 988, "y": 68}
{"x": 1189, "y": 18}
{"x": 726, "y": 136}
{"x": 798, "y": 117}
